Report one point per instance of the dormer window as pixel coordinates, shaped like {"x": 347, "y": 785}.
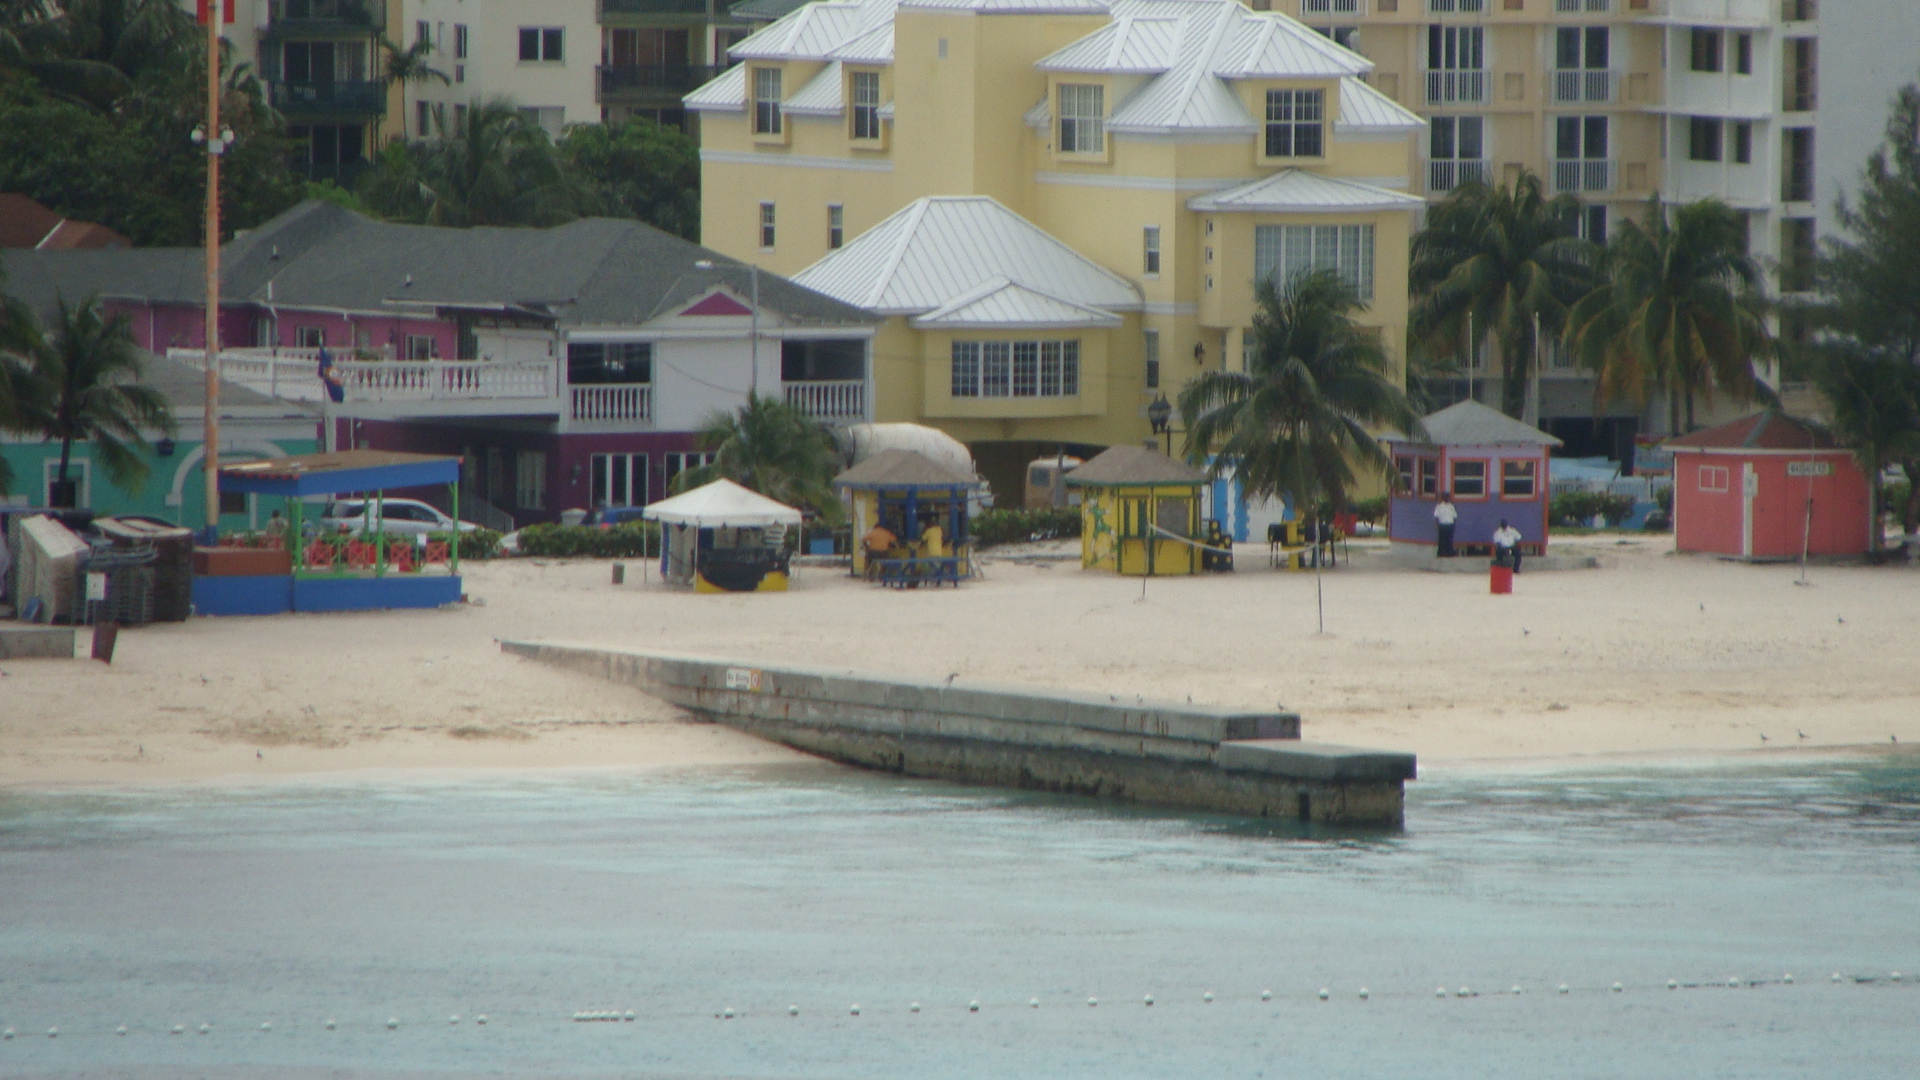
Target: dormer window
{"x": 1082, "y": 119}
{"x": 866, "y": 104}
{"x": 1295, "y": 121}
{"x": 766, "y": 101}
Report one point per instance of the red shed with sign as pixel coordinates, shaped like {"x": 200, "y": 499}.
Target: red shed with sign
{"x": 1767, "y": 486}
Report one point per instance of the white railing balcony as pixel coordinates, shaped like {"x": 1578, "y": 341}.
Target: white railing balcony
{"x": 1329, "y": 7}
{"x": 1443, "y": 176}
{"x": 613, "y": 401}
{"x": 1456, "y": 87}
{"x": 1582, "y": 176}
{"x": 838, "y": 399}
{"x": 1583, "y": 86}
{"x": 1570, "y": 6}
{"x": 294, "y": 375}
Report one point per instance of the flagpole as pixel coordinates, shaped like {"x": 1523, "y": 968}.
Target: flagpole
{"x": 215, "y": 145}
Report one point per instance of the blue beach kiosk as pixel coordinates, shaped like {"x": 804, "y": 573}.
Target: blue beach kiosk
{"x": 1493, "y": 467}
{"x": 341, "y": 572}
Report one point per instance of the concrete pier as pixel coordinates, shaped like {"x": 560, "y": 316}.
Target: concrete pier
{"x": 1191, "y": 756}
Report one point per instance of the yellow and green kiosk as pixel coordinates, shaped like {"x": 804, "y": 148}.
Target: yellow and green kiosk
{"x": 1140, "y": 513}
{"x": 919, "y": 504}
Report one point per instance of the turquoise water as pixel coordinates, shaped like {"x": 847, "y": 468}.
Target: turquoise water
{"x": 530, "y": 900}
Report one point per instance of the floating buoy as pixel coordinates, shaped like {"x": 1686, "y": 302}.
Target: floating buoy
{"x": 1617, "y": 988}
{"x": 121, "y": 1030}
{"x": 793, "y": 1010}
{"x": 481, "y": 1019}
{"x": 178, "y": 1029}
{"x": 727, "y": 1014}
{"x": 1266, "y": 995}
{"x": 330, "y": 1023}
{"x": 856, "y": 1010}
{"x": 53, "y": 1033}
{"x": 1516, "y": 989}
{"x": 1091, "y": 1002}
{"x": 204, "y": 1028}
{"x": 1149, "y": 1001}
{"x": 1563, "y": 988}
{"x": 1323, "y": 994}
{"x": 1464, "y": 992}
{"x": 1787, "y": 978}
{"x": 1033, "y": 1003}
{"x": 1836, "y": 976}
{"x": 1732, "y": 982}
{"x": 1363, "y": 993}
{"x": 915, "y": 1007}
{"x": 973, "y": 1006}
{"x": 1439, "y": 991}
{"x": 1895, "y": 976}
{"x": 1207, "y": 997}
{"x": 1673, "y": 984}
{"x": 7, "y": 1034}
{"x": 266, "y": 1027}
{"x": 454, "y": 1019}
{"x": 392, "y": 1023}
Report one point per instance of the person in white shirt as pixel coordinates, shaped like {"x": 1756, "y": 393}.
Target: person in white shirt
{"x": 1506, "y": 544}
{"x": 1444, "y": 515}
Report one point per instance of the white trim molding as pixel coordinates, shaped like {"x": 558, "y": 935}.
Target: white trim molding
{"x": 739, "y": 157}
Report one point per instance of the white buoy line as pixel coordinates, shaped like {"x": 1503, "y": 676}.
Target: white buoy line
{"x": 976, "y": 1005}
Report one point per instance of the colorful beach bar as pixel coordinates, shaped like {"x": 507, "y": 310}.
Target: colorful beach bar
{"x": 344, "y": 572}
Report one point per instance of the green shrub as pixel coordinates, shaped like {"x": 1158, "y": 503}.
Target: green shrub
{"x": 627, "y": 540}
{"x": 478, "y": 544}
{"x": 994, "y": 527}
{"x": 1371, "y": 511}
{"x": 1580, "y": 507}
{"x": 1664, "y": 496}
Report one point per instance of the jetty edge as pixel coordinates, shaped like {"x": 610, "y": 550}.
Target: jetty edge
{"x": 1188, "y": 756}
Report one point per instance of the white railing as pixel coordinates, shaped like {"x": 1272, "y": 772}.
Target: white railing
{"x": 1330, "y": 7}
{"x": 1580, "y": 5}
{"x": 1447, "y": 175}
{"x": 1582, "y": 176}
{"x": 616, "y": 401}
{"x": 1456, "y": 87}
{"x": 294, "y": 375}
{"x": 1577, "y": 86}
{"x": 838, "y": 399}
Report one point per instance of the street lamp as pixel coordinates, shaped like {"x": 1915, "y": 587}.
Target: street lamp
{"x": 1158, "y": 414}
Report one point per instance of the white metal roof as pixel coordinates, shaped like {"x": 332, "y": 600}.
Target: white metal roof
{"x": 1016, "y": 7}
{"x": 1130, "y": 45}
{"x": 1366, "y": 111}
{"x": 1007, "y": 305}
{"x": 938, "y": 249}
{"x": 726, "y": 93}
{"x": 1294, "y": 191}
{"x": 872, "y": 47}
{"x": 822, "y": 96}
{"x": 722, "y": 502}
{"x": 808, "y": 32}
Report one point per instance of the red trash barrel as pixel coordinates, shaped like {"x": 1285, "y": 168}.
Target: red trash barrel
{"x": 1500, "y": 579}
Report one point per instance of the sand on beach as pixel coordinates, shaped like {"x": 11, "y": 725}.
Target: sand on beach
{"x": 1651, "y": 653}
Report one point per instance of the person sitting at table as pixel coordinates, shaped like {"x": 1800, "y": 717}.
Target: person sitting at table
{"x": 932, "y": 539}
{"x": 879, "y": 540}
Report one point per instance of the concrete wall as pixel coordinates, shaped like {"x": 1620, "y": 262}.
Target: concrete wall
{"x": 1192, "y": 756}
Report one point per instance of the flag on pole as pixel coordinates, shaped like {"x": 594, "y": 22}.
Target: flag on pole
{"x": 226, "y": 11}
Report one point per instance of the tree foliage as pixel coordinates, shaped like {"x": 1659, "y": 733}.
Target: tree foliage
{"x": 1298, "y": 420}
{"x": 775, "y": 449}
{"x": 1494, "y": 262}
{"x": 497, "y": 168}
{"x": 638, "y": 169}
{"x": 1678, "y": 304}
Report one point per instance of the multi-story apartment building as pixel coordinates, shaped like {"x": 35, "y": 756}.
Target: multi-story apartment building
{"x": 542, "y": 57}
{"x": 325, "y": 72}
{"x": 653, "y": 52}
{"x": 1060, "y": 207}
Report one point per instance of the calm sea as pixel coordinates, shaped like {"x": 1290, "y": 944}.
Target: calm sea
{"x": 532, "y": 899}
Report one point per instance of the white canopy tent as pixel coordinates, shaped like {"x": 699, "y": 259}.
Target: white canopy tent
{"x": 746, "y": 550}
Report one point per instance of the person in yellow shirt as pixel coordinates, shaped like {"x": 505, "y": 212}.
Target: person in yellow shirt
{"x": 932, "y": 540}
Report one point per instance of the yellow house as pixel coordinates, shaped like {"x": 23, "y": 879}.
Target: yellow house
{"x": 1187, "y": 147}
{"x": 1137, "y": 506}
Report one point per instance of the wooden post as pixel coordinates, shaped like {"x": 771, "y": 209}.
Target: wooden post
{"x": 215, "y": 147}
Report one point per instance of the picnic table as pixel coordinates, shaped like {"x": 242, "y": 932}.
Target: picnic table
{"x": 914, "y": 572}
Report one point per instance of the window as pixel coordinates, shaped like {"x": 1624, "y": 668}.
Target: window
{"x": 459, "y": 118}
{"x": 422, "y": 118}
{"x": 1703, "y": 138}
{"x": 1799, "y": 10}
{"x": 79, "y": 474}
{"x": 551, "y": 119}
{"x": 619, "y": 480}
{"x": 1743, "y": 142}
{"x": 1796, "y": 254}
{"x": 625, "y": 362}
{"x": 1469, "y": 479}
{"x": 530, "y": 479}
{"x": 542, "y": 44}
{"x": 1713, "y": 478}
{"x": 1796, "y": 164}
{"x": 459, "y": 41}
{"x": 310, "y": 337}
{"x": 1743, "y": 52}
{"x": 1592, "y": 224}
{"x": 679, "y": 463}
{"x": 1517, "y": 479}
{"x": 1150, "y": 349}
{"x": 1082, "y": 119}
{"x": 1456, "y": 152}
{"x": 1403, "y": 470}
{"x": 766, "y": 101}
{"x": 766, "y": 224}
{"x": 1582, "y": 58}
{"x": 421, "y": 32}
{"x": 1016, "y": 369}
{"x": 1429, "y": 478}
{"x": 1705, "y": 49}
{"x": 1294, "y": 123}
{"x": 1456, "y": 64}
{"x": 1282, "y": 251}
{"x": 1802, "y": 75}
{"x": 836, "y": 225}
{"x": 1347, "y": 37}
{"x": 866, "y": 104}
{"x": 422, "y": 347}
{"x": 1580, "y": 154}
{"x": 1150, "y": 242}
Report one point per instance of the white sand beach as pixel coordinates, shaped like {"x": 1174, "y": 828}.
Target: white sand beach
{"x": 1651, "y": 654}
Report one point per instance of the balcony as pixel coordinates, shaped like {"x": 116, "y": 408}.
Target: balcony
{"x": 326, "y": 16}
{"x": 1573, "y": 87}
{"x": 330, "y": 98}
{"x": 617, "y": 80}
{"x": 293, "y": 374}
{"x": 1582, "y": 176}
{"x": 656, "y": 7}
{"x": 838, "y": 400}
{"x": 1444, "y": 176}
{"x": 1456, "y": 87}
{"x": 613, "y": 401}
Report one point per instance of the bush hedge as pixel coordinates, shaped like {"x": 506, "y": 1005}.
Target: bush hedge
{"x": 477, "y": 544}
{"x": 993, "y": 527}
{"x": 1580, "y": 507}
{"x": 627, "y": 540}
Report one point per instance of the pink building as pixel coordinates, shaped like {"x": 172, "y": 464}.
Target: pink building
{"x": 1767, "y": 486}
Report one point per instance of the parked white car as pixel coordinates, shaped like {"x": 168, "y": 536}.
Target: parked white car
{"x": 409, "y": 517}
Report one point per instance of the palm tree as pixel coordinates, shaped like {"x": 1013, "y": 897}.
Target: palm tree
{"x": 1501, "y": 262}
{"x": 1297, "y": 420}
{"x": 1874, "y": 399}
{"x": 1678, "y": 305}
{"x": 499, "y": 168}
{"x": 85, "y": 386}
{"x": 19, "y": 389}
{"x": 774, "y": 449}
{"x": 409, "y": 65}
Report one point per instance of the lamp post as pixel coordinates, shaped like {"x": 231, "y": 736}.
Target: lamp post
{"x": 216, "y": 139}
{"x": 1158, "y": 414}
